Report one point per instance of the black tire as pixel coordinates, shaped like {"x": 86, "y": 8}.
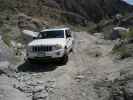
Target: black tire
{"x": 30, "y": 61}
{"x": 64, "y": 59}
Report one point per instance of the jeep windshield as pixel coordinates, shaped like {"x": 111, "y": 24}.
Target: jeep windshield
{"x": 51, "y": 34}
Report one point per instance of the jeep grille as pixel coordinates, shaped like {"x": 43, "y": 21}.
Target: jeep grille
{"x": 41, "y": 48}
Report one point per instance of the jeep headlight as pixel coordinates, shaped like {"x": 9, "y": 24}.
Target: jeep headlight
{"x": 56, "y": 47}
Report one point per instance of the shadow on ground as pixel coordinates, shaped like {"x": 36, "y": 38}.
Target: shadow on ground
{"x": 38, "y": 66}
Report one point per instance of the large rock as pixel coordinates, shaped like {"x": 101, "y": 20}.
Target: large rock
{"x": 28, "y": 35}
{"x": 6, "y": 53}
{"x": 4, "y": 67}
{"x": 29, "y": 23}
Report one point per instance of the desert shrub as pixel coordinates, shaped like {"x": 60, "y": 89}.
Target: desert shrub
{"x": 128, "y": 34}
{"x": 6, "y": 34}
{"x": 121, "y": 52}
{"x": 124, "y": 48}
{"x": 7, "y": 39}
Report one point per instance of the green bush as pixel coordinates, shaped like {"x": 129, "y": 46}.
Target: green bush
{"x": 128, "y": 34}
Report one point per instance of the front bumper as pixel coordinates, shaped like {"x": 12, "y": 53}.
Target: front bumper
{"x": 46, "y": 55}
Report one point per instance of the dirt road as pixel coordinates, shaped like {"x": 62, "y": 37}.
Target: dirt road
{"x": 90, "y": 61}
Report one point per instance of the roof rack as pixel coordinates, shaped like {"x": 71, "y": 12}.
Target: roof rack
{"x": 55, "y": 28}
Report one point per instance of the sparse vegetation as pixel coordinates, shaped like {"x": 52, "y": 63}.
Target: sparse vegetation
{"x": 6, "y": 35}
{"x": 122, "y": 52}
{"x": 7, "y": 39}
{"x": 124, "y": 49}
{"x": 128, "y": 35}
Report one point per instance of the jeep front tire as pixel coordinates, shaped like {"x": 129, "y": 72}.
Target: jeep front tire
{"x": 64, "y": 59}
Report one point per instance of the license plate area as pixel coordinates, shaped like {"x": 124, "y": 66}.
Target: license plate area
{"x": 41, "y": 54}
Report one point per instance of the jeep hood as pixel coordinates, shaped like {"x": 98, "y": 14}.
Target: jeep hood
{"x": 41, "y": 42}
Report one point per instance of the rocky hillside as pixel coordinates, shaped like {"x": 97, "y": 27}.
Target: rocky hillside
{"x": 94, "y": 9}
{"x": 74, "y": 11}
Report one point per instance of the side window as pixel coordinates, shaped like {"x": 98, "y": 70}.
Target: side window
{"x": 68, "y": 33}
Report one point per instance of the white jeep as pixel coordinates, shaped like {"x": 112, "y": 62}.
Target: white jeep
{"x": 54, "y": 43}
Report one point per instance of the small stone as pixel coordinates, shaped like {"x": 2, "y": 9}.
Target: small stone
{"x": 40, "y": 95}
{"x": 80, "y": 77}
{"x": 40, "y": 82}
{"x": 99, "y": 35}
{"x": 51, "y": 83}
{"x": 38, "y": 88}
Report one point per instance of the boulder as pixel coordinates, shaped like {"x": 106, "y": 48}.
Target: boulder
{"x": 4, "y": 66}
{"x": 29, "y": 23}
{"x": 28, "y": 35}
{"x": 6, "y": 54}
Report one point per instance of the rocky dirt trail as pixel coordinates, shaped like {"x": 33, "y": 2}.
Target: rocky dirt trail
{"x": 59, "y": 82}
{"x": 59, "y": 78}
{"x": 90, "y": 62}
